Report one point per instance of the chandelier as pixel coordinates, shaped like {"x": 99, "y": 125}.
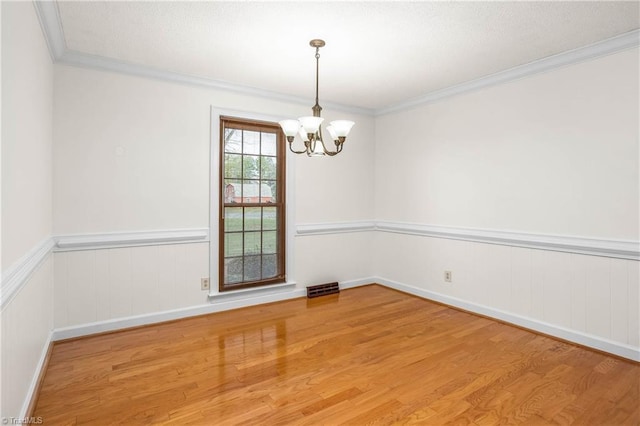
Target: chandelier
{"x": 309, "y": 127}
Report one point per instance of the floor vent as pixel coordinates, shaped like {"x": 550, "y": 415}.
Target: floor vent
{"x": 322, "y": 289}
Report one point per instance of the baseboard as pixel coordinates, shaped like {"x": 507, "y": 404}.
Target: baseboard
{"x": 31, "y": 398}
{"x": 584, "y": 339}
{"x": 215, "y": 306}
{"x": 357, "y": 283}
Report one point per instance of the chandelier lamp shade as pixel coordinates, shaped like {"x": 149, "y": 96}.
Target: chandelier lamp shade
{"x": 309, "y": 128}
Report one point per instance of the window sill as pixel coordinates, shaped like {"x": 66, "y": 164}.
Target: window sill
{"x": 250, "y": 293}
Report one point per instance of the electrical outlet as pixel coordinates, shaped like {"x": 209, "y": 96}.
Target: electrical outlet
{"x": 447, "y": 276}
{"x": 204, "y": 284}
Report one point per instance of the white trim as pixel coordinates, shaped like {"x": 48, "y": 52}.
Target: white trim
{"x": 334, "y": 227}
{"x": 130, "y": 239}
{"x": 50, "y": 22}
{"x": 247, "y": 293}
{"x": 589, "y": 340}
{"x": 100, "y": 63}
{"x": 49, "y": 18}
{"x": 219, "y": 305}
{"x": 36, "y": 377}
{"x": 128, "y": 322}
{"x": 602, "y": 48}
{"x": 581, "y": 245}
{"x": 16, "y": 276}
{"x": 621, "y": 249}
{"x": 357, "y": 283}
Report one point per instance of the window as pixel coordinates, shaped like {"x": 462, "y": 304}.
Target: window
{"x": 252, "y": 204}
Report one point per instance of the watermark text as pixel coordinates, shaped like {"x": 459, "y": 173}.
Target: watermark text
{"x": 22, "y": 420}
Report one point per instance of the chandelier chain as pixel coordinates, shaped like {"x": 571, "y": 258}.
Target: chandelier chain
{"x": 317, "y": 73}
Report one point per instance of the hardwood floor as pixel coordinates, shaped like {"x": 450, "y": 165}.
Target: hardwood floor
{"x": 367, "y": 355}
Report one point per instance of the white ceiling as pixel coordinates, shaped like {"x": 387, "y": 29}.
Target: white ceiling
{"x": 377, "y": 54}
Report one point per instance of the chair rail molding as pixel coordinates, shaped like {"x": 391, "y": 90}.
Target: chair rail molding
{"x": 621, "y": 249}
{"x": 334, "y": 227}
{"x": 130, "y": 239}
{"x": 17, "y": 275}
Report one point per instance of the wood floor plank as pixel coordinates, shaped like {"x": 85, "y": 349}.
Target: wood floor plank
{"x": 368, "y": 355}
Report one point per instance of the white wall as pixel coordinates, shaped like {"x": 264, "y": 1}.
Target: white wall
{"x": 555, "y": 153}
{"x": 132, "y": 154}
{"x": 27, "y": 90}
{"x": 102, "y": 285}
{"x": 26, "y": 132}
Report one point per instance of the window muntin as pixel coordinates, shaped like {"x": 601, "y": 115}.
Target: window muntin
{"x": 252, "y": 226}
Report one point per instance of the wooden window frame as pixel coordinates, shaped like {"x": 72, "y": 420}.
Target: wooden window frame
{"x": 280, "y": 204}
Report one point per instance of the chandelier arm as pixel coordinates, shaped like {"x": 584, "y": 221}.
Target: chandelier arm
{"x": 296, "y": 152}
{"x": 329, "y": 153}
{"x": 321, "y": 140}
{"x": 290, "y": 140}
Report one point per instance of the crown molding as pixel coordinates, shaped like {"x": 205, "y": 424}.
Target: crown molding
{"x": 48, "y": 15}
{"x": 602, "y": 48}
{"x": 49, "y": 18}
{"x": 83, "y": 60}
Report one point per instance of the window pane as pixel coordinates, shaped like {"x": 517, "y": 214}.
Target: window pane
{"x": 252, "y": 163}
{"x": 232, "y": 219}
{"x": 268, "y": 144}
{"x": 252, "y": 243}
{"x": 252, "y": 268}
{"x": 250, "y": 167}
{"x": 233, "y": 166}
{"x": 269, "y": 266}
{"x": 269, "y": 242}
{"x": 251, "y": 142}
{"x": 268, "y": 168}
{"x": 233, "y": 244}
{"x": 265, "y": 193}
{"x": 252, "y": 218}
{"x": 232, "y": 140}
{"x": 233, "y": 270}
{"x": 250, "y": 191}
{"x": 232, "y": 191}
{"x": 269, "y": 218}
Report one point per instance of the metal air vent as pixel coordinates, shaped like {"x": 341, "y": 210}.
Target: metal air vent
{"x": 322, "y": 289}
